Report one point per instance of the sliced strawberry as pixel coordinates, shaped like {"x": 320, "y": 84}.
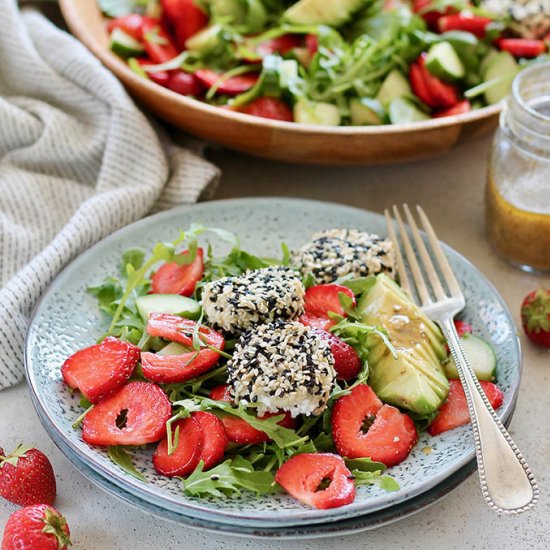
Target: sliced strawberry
{"x": 462, "y": 327}
{"x": 134, "y": 415}
{"x": 347, "y": 363}
{"x": 131, "y": 24}
{"x": 169, "y": 369}
{"x": 522, "y": 47}
{"x": 185, "y": 17}
{"x": 389, "y": 438}
{"x": 349, "y": 415}
{"x": 454, "y": 412}
{"x": 221, "y": 393}
{"x": 319, "y": 323}
{"x": 186, "y": 456}
{"x": 431, "y": 16}
{"x": 158, "y": 77}
{"x": 172, "y": 278}
{"x": 302, "y": 475}
{"x": 99, "y": 370}
{"x": 443, "y": 95}
{"x": 459, "y": 109}
{"x": 177, "y": 329}
{"x": 312, "y": 43}
{"x": 286, "y": 422}
{"x": 281, "y": 45}
{"x": 269, "y": 107}
{"x": 419, "y": 85}
{"x": 185, "y": 84}
{"x": 231, "y": 86}
{"x": 321, "y": 299}
{"x": 475, "y": 24}
{"x": 239, "y": 430}
{"x": 214, "y": 438}
{"x": 158, "y": 44}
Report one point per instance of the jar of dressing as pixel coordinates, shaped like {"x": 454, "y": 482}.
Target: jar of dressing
{"x": 518, "y": 188}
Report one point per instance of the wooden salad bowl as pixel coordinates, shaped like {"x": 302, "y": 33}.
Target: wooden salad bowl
{"x": 287, "y": 141}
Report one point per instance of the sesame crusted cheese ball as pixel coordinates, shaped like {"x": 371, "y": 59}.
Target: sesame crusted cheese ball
{"x": 531, "y": 17}
{"x": 235, "y": 304}
{"x": 337, "y": 252}
{"x": 282, "y": 367}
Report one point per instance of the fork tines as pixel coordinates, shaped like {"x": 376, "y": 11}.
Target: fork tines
{"x": 436, "y": 289}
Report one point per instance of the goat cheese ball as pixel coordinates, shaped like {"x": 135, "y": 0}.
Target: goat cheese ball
{"x": 235, "y": 304}
{"x": 334, "y": 253}
{"x": 282, "y": 366}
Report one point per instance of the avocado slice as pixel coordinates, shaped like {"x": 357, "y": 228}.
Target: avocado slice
{"x": 415, "y": 380}
{"x": 322, "y": 12}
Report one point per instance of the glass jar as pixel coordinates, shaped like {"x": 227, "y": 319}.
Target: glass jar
{"x": 518, "y": 188}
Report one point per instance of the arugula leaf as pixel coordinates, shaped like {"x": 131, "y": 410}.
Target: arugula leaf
{"x": 229, "y": 478}
{"x": 121, "y": 458}
{"x": 308, "y": 280}
{"x": 368, "y": 472}
{"x": 324, "y": 443}
{"x": 387, "y": 483}
{"x": 84, "y": 403}
{"x": 283, "y": 437}
{"x": 133, "y": 256}
{"x": 107, "y": 293}
{"x": 362, "y": 337}
{"x": 364, "y": 464}
{"x": 358, "y": 285}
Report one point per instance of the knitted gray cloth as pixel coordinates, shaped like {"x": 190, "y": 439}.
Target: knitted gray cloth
{"x": 78, "y": 160}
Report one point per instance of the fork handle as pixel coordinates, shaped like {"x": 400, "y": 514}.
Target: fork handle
{"x": 507, "y": 483}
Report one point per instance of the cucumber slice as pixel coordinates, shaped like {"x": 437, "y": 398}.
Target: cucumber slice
{"x": 443, "y": 62}
{"x": 501, "y": 69}
{"x": 404, "y": 111}
{"x": 322, "y": 114}
{"x": 366, "y": 111}
{"x": 394, "y": 85}
{"x": 173, "y": 348}
{"x": 167, "y": 303}
{"x": 480, "y": 355}
{"x": 124, "y": 45}
{"x": 469, "y": 49}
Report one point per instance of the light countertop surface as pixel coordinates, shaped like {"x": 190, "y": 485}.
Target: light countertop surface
{"x": 451, "y": 190}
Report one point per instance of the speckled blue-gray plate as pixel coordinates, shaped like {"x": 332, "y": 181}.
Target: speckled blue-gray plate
{"x": 374, "y": 520}
{"x": 67, "y": 319}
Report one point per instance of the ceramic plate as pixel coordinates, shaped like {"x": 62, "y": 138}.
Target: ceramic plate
{"x": 67, "y": 319}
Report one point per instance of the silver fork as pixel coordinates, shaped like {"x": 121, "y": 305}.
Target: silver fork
{"x": 507, "y": 483}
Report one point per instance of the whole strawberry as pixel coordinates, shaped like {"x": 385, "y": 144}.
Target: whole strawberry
{"x": 535, "y": 316}
{"x": 36, "y": 527}
{"x": 26, "y": 477}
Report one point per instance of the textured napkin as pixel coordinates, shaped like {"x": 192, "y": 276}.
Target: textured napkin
{"x": 78, "y": 160}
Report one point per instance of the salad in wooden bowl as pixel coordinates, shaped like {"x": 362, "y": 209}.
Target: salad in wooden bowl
{"x": 354, "y": 81}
